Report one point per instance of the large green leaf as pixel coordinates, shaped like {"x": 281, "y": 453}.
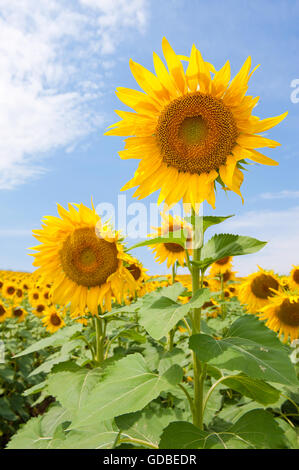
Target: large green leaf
{"x": 128, "y": 386}
{"x": 39, "y": 433}
{"x": 177, "y": 237}
{"x": 100, "y": 436}
{"x": 146, "y": 426}
{"x": 73, "y": 385}
{"x": 160, "y": 316}
{"x": 57, "y": 339}
{"x": 256, "y": 389}
{"x": 206, "y": 221}
{"x": 249, "y": 347}
{"x": 257, "y": 429}
{"x": 226, "y": 244}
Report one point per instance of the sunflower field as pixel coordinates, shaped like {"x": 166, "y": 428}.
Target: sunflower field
{"x": 98, "y": 354}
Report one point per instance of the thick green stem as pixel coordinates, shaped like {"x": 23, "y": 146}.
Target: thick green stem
{"x": 100, "y": 338}
{"x": 199, "y": 369}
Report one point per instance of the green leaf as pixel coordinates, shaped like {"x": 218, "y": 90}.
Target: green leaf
{"x": 256, "y": 429}
{"x": 5, "y": 410}
{"x": 160, "y": 316}
{"x": 256, "y": 389}
{"x": 225, "y": 244}
{"x": 57, "y": 339}
{"x": 41, "y": 432}
{"x": 61, "y": 356}
{"x": 206, "y": 221}
{"x": 73, "y": 385}
{"x": 177, "y": 237}
{"x": 128, "y": 386}
{"x": 249, "y": 347}
{"x": 29, "y": 436}
{"x": 146, "y": 426}
{"x": 100, "y": 436}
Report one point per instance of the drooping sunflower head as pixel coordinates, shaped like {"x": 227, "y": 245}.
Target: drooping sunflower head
{"x": 282, "y": 315}
{"x": 82, "y": 259}
{"x": 256, "y": 290}
{"x": 190, "y": 128}
{"x": 294, "y": 278}
{"x": 171, "y": 251}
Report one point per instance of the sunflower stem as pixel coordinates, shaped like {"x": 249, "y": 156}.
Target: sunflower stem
{"x": 199, "y": 369}
{"x": 223, "y": 309}
{"x": 100, "y": 337}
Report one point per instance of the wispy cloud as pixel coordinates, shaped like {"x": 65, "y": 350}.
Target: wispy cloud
{"x": 51, "y": 75}
{"x": 15, "y": 232}
{"x": 285, "y": 194}
{"x": 279, "y": 228}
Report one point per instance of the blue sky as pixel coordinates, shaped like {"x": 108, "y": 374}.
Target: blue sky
{"x": 60, "y": 64}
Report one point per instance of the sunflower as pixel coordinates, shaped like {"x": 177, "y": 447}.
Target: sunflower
{"x": 172, "y": 252}
{"x": 83, "y": 258}
{"x": 216, "y": 283}
{"x": 282, "y": 315}
{"x": 3, "y": 312}
{"x": 221, "y": 266}
{"x": 189, "y": 129}
{"x": 18, "y": 313}
{"x": 285, "y": 282}
{"x": 9, "y": 290}
{"x": 53, "y": 321}
{"x": 256, "y": 290}
{"x": 294, "y": 278}
{"x": 40, "y": 309}
{"x": 34, "y": 296}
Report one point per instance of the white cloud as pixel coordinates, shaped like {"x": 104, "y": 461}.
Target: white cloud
{"x": 285, "y": 194}
{"x": 279, "y": 228}
{"x": 113, "y": 17}
{"x": 51, "y": 75}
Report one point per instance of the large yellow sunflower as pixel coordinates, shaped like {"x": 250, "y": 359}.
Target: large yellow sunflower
{"x": 169, "y": 251}
{"x": 189, "y": 129}
{"x": 282, "y": 315}
{"x": 257, "y": 288}
{"x": 83, "y": 258}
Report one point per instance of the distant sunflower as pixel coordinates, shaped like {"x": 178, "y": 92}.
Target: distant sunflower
{"x": 221, "y": 266}
{"x": 215, "y": 282}
{"x": 285, "y": 282}
{"x": 256, "y": 290}
{"x": 40, "y": 309}
{"x": 3, "y": 312}
{"x": 170, "y": 251}
{"x": 282, "y": 315}
{"x": 9, "y": 290}
{"x": 190, "y": 130}
{"x": 18, "y": 313}
{"x": 53, "y": 321}
{"x": 83, "y": 258}
{"x": 294, "y": 278}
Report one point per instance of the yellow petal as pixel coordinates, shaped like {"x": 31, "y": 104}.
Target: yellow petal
{"x": 175, "y": 66}
{"x": 256, "y": 141}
